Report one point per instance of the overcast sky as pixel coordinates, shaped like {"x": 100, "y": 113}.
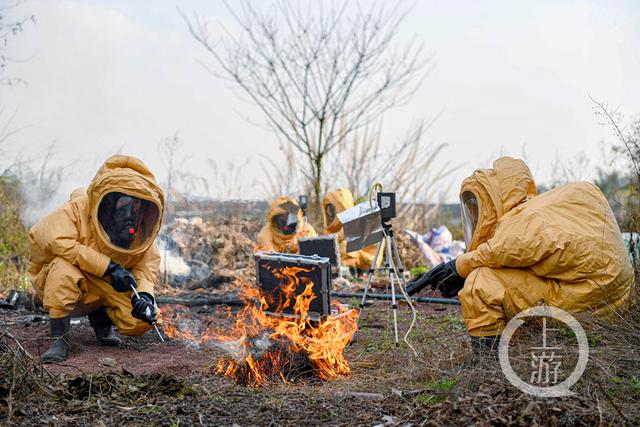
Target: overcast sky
{"x": 512, "y": 77}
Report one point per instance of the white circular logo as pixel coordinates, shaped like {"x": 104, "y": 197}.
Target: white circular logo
{"x": 546, "y": 360}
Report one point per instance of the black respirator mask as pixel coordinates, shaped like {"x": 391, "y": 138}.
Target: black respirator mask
{"x": 287, "y": 222}
{"x": 329, "y": 213}
{"x": 120, "y": 217}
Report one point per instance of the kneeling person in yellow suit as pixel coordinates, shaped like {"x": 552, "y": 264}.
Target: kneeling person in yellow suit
{"x": 86, "y": 255}
{"x": 561, "y": 248}
{"x": 332, "y": 204}
{"x": 285, "y": 225}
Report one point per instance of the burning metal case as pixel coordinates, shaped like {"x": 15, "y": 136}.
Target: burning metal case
{"x": 275, "y": 270}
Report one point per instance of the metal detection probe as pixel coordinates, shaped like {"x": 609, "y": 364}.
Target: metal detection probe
{"x": 147, "y": 312}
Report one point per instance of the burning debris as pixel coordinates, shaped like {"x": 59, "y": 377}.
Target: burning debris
{"x": 263, "y": 346}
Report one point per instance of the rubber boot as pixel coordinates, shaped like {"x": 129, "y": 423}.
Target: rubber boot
{"x": 103, "y": 327}
{"x": 485, "y": 346}
{"x": 485, "y": 353}
{"x": 59, "y": 348}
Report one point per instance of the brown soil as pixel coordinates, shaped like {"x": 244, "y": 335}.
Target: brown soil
{"x": 136, "y": 355}
{"x": 171, "y": 384}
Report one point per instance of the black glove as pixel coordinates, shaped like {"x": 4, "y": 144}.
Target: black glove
{"x": 417, "y": 285}
{"x": 143, "y": 308}
{"x": 121, "y": 278}
{"x": 446, "y": 278}
{"x": 443, "y": 276}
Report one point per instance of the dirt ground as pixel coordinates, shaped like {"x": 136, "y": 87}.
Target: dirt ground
{"x": 145, "y": 382}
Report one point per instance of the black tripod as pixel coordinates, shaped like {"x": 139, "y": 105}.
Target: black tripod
{"x": 393, "y": 265}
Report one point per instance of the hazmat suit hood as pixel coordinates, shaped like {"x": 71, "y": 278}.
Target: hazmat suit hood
{"x": 271, "y": 238}
{"x": 278, "y": 207}
{"x": 78, "y": 192}
{"x": 338, "y": 201}
{"x": 494, "y": 192}
{"x": 128, "y": 177}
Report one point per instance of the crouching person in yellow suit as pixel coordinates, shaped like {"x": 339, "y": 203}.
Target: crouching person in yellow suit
{"x": 561, "y": 248}
{"x": 285, "y": 225}
{"x": 86, "y": 255}
{"x": 332, "y": 204}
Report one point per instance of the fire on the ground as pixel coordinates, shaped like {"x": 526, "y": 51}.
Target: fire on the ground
{"x": 262, "y": 347}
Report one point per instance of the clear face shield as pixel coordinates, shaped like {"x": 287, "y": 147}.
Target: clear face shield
{"x": 128, "y": 221}
{"x": 470, "y": 215}
{"x": 287, "y": 221}
{"x": 329, "y": 214}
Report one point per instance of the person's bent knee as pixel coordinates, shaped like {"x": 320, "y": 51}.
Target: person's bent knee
{"x": 61, "y": 290}
{"x": 481, "y": 299}
{"x": 63, "y": 269}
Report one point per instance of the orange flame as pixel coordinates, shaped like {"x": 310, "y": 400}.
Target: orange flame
{"x": 262, "y": 346}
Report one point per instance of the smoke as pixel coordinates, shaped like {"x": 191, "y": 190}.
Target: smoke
{"x": 36, "y": 202}
{"x": 171, "y": 262}
{"x": 39, "y": 184}
{"x": 239, "y": 349}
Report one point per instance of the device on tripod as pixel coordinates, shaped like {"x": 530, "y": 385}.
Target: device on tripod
{"x": 361, "y": 219}
{"x": 303, "y": 202}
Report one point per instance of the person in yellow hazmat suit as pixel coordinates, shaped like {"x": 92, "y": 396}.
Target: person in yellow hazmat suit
{"x": 86, "y": 255}
{"x": 332, "y": 204}
{"x": 285, "y": 225}
{"x": 561, "y": 248}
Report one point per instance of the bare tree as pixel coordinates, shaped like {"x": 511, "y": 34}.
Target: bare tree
{"x": 180, "y": 183}
{"x": 572, "y": 169}
{"x": 169, "y": 148}
{"x": 228, "y": 179}
{"x": 628, "y": 138}
{"x": 280, "y": 178}
{"x": 6, "y": 131}
{"x": 9, "y": 28}
{"x": 629, "y": 145}
{"x": 317, "y": 74}
{"x": 411, "y": 167}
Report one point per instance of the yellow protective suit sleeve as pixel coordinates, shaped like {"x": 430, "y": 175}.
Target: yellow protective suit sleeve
{"x": 57, "y": 234}
{"x": 511, "y": 247}
{"x": 264, "y": 242}
{"x": 146, "y": 270}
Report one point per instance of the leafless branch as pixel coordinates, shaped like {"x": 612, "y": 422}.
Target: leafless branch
{"x": 318, "y": 74}
{"x": 612, "y": 120}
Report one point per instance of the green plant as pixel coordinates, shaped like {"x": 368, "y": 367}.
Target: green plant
{"x": 455, "y": 321}
{"x": 14, "y": 248}
{"x": 420, "y": 270}
{"x": 445, "y": 384}
{"x": 428, "y": 399}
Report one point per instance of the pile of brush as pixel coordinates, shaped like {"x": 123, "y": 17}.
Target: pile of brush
{"x": 23, "y": 376}
{"x": 210, "y": 253}
{"x": 264, "y": 361}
